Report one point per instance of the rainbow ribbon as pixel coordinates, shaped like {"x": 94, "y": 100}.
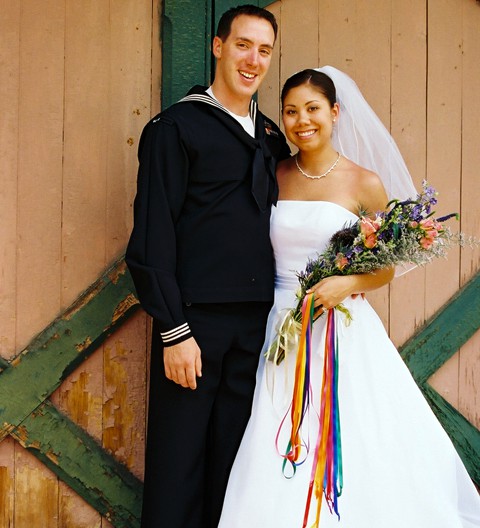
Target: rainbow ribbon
{"x": 327, "y": 474}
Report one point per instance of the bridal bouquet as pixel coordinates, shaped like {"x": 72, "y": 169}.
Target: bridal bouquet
{"x": 405, "y": 233}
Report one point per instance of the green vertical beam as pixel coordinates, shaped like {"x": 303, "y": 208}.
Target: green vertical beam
{"x": 185, "y": 47}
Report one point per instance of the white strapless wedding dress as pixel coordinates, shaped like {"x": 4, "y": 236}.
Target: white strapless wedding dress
{"x": 400, "y": 468}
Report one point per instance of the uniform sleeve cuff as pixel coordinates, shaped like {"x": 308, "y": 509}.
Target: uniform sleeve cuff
{"x": 176, "y": 335}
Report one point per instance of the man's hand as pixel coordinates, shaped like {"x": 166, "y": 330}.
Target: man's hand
{"x": 183, "y": 363}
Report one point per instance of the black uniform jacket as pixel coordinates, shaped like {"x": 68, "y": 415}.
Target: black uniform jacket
{"x": 200, "y": 235}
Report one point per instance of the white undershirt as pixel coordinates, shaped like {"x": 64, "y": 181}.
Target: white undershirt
{"x": 245, "y": 121}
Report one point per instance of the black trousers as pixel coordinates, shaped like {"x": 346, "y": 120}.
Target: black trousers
{"x": 193, "y": 436}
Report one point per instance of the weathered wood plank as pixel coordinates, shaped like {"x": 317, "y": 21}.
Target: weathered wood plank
{"x": 124, "y": 393}
{"x": 408, "y": 127}
{"x": 469, "y": 371}
{"x": 61, "y": 347}
{"x": 7, "y": 489}
{"x": 269, "y": 91}
{"x": 86, "y": 140}
{"x": 36, "y": 492}
{"x": 9, "y": 100}
{"x": 40, "y": 157}
{"x": 69, "y": 452}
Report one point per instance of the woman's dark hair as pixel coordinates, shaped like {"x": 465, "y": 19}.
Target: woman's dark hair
{"x": 319, "y": 80}
{"x": 225, "y": 23}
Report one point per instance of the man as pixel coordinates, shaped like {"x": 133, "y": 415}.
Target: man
{"x": 202, "y": 263}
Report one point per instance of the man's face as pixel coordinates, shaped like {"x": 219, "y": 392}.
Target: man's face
{"x": 244, "y": 58}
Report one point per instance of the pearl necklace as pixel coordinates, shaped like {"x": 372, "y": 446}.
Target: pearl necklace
{"x": 321, "y": 175}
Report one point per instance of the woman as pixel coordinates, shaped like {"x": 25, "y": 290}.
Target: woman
{"x": 400, "y": 469}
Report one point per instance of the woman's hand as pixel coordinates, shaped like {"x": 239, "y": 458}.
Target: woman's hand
{"x": 332, "y": 291}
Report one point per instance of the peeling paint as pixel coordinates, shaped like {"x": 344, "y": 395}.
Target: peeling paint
{"x": 118, "y": 416}
{"x": 79, "y": 403}
{"x": 83, "y": 300}
{"x": 123, "y": 307}
{"x": 36, "y": 493}
{"x": 6, "y": 497}
{"x": 117, "y": 271}
{"x": 84, "y": 345}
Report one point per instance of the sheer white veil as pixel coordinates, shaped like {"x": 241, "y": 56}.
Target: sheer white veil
{"x": 360, "y": 136}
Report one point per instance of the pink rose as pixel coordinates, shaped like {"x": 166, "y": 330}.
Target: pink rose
{"x": 369, "y": 228}
{"x": 341, "y": 261}
{"x": 426, "y": 242}
{"x": 370, "y": 241}
{"x": 431, "y": 229}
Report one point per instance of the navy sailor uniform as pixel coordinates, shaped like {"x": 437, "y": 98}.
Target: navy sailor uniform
{"x": 198, "y": 169}
{"x": 202, "y": 263}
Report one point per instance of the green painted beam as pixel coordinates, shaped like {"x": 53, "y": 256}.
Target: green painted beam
{"x": 61, "y": 445}
{"x": 185, "y": 47}
{"x": 76, "y": 458}
{"x": 64, "y": 345}
{"x": 445, "y": 333}
{"x": 439, "y": 339}
{"x": 463, "y": 434}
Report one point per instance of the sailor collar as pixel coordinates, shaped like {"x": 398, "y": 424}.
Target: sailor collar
{"x": 205, "y": 98}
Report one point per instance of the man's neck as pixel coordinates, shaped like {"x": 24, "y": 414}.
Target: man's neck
{"x": 235, "y": 105}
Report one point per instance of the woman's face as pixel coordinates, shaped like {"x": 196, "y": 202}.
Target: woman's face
{"x": 308, "y": 117}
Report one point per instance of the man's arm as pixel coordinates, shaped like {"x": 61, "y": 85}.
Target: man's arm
{"x": 151, "y": 252}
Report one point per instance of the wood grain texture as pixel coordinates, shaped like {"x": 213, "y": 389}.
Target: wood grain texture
{"x": 408, "y": 127}
{"x": 9, "y": 101}
{"x": 79, "y": 81}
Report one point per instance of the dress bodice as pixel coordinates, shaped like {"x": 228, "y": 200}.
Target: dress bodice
{"x": 299, "y": 230}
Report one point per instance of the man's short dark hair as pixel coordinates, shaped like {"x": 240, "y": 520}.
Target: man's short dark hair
{"x": 225, "y": 23}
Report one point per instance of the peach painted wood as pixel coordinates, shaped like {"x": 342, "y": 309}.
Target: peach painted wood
{"x": 9, "y": 100}
{"x": 39, "y": 219}
{"x": 469, "y": 367}
{"x": 79, "y": 81}
{"x": 408, "y": 126}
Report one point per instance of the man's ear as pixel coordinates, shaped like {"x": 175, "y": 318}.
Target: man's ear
{"x": 217, "y": 47}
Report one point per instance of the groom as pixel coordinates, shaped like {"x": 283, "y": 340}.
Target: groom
{"x": 202, "y": 263}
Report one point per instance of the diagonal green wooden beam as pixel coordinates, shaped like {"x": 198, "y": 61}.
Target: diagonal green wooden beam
{"x": 463, "y": 434}
{"x": 52, "y": 437}
{"x": 444, "y": 333}
{"x": 64, "y": 345}
{"x": 439, "y": 339}
{"x": 77, "y": 459}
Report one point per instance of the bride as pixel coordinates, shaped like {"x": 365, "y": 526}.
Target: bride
{"x": 400, "y": 469}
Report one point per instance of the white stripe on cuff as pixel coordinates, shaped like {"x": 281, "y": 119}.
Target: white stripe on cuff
{"x": 177, "y": 332}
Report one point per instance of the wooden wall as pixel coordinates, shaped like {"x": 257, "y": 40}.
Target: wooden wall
{"x": 416, "y": 62}
{"x": 79, "y": 79}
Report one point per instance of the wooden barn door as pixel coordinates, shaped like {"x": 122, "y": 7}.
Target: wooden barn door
{"x": 80, "y": 81}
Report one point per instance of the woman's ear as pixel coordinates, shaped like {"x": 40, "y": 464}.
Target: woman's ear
{"x": 335, "y": 112}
